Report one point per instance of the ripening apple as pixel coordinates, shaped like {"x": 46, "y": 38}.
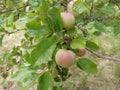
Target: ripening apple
{"x": 81, "y": 52}
{"x": 64, "y": 58}
{"x": 68, "y": 20}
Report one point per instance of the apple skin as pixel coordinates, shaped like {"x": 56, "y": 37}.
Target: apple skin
{"x": 81, "y": 52}
{"x": 68, "y": 20}
{"x": 64, "y": 58}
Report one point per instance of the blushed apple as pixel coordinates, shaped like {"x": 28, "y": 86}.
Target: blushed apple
{"x": 64, "y": 58}
{"x": 68, "y": 20}
{"x": 81, "y": 52}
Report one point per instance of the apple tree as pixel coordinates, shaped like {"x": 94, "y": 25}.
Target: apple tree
{"x": 57, "y": 35}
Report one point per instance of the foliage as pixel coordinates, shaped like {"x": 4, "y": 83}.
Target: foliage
{"x": 45, "y": 35}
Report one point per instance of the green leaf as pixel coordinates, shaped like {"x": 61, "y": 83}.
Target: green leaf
{"x": 54, "y": 15}
{"x": 7, "y": 56}
{"x": 34, "y": 4}
{"x": 78, "y": 44}
{"x": 43, "y": 52}
{"x": 72, "y": 33}
{"x": 97, "y": 33}
{"x": 81, "y": 7}
{"x": 45, "y": 82}
{"x": 1, "y": 38}
{"x": 117, "y": 30}
{"x": 50, "y": 16}
{"x": 87, "y": 65}
{"x": 26, "y": 77}
{"x": 33, "y": 25}
{"x": 110, "y": 22}
{"x": 9, "y": 3}
{"x": 42, "y": 32}
{"x": 31, "y": 15}
{"x": 10, "y": 20}
{"x": 108, "y": 10}
{"x": 43, "y": 9}
{"x": 92, "y": 45}
{"x": 96, "y": 26}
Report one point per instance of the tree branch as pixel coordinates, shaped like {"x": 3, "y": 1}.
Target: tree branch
{"x": 82, "y": 28}
{"x": 91, "y": 10}
{"x": 102, "y": 18}
{"x": 6, "y": 32}
{"x": 12, "y": 9}
{"x": 103, "y": 57}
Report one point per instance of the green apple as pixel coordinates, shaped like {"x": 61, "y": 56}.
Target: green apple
{"x": 68, "y": 20}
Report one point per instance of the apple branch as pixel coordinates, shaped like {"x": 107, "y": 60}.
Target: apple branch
{"x": 12, "y": 10}
{"x": 103, "y": 57}
{"x": 6, "y": 32}
{"x": 91, "y": 10}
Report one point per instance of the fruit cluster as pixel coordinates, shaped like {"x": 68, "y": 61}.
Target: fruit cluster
{"x": 63, "y": 57}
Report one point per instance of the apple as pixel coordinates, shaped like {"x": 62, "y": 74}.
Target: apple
{"x": 68, "y": 20}
{"x": 81, "y": 52}
{"x": 64, "y": 58}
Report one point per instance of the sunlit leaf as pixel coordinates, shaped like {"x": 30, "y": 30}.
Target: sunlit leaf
{"x": 96, "y": 26}
{"x": 43, "y": 52}
{"x": 108, "y": 10}
{"x": 10, "y": 20}
{"x": 45, "y": 82}
{"x": 33, "y": 25}
{"x": 92, "y": 45}
{"x": 54, "y": 19}
{"x": 81, "y": 7}
{"x": 87, "y": 65}
{"x": 9, "y": 3}
{"x": 78, "y": 44}
{"x": 26, "y": 77}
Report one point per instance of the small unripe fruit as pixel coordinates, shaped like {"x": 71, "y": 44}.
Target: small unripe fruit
{"x": 54, "y": 72}
{"x": 81, "y": 52}
{"x": 64, "y": 58}
{"x": 68, "y": 20}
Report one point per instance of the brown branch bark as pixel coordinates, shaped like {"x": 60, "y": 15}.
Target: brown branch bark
{"x": 103, "y": 57}
{"x": 6, "y": 32}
